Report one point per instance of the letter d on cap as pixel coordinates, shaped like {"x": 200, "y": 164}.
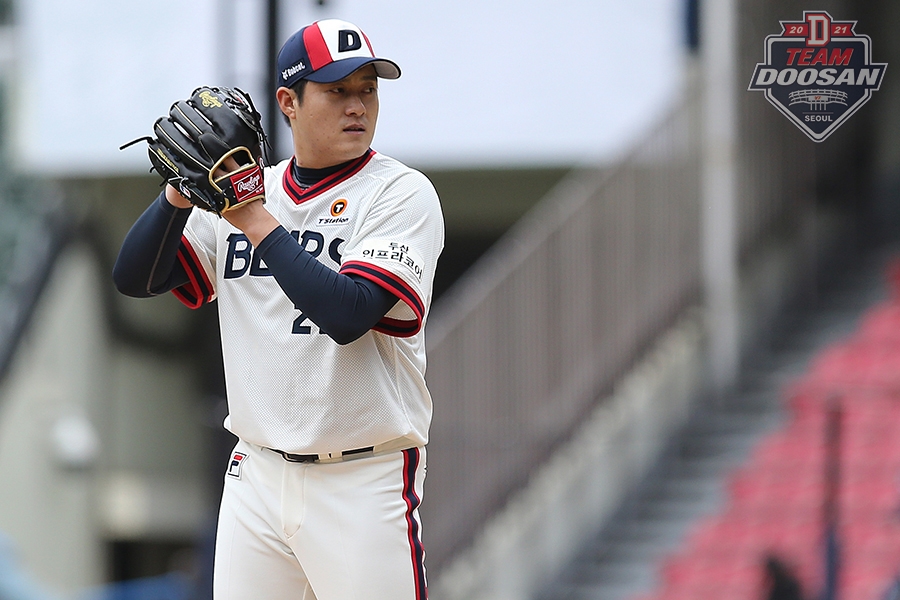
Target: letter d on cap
{"x": 348, "y": 40}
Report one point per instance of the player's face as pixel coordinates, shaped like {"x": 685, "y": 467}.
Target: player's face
{"x": 335, "y": 122}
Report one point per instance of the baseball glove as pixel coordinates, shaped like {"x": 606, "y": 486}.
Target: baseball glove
{"x": 195, "y": 140}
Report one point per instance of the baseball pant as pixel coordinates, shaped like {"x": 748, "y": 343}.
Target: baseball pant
{"x": 312, "y": 531}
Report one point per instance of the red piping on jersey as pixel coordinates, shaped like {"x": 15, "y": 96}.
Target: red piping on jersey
{"x": 299, "y": 194}
{"x": 410, "y": 465}
{"x": 198, "y": 291}
{"x": 396, "y": 327}
{"x": 396, "y": 286}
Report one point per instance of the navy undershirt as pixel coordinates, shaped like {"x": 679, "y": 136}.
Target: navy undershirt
{"x": 343, "y": 306}
{"x": 307, "y": 177}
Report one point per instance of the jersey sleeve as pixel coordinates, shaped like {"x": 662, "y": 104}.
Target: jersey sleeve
{"x": 397, "y": 247}
{"x": 197, "y": 254}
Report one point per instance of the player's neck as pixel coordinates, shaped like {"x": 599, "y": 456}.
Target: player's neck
{"x": 307, "y": 177}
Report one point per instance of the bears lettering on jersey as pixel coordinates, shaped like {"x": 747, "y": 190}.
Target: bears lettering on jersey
{"x": 241, "y": 258}
{"x": 280, "y": 404}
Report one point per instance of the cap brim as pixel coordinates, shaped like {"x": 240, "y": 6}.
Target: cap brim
{"x": 384, "y": 68}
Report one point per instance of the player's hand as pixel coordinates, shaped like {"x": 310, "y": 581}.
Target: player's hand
{"x": 254, "y": 220}
{"x": 256, "y": 223}
{"x": 229, "y": 165}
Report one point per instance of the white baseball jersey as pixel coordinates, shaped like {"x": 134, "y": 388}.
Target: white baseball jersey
{"x": 291, "y": 387}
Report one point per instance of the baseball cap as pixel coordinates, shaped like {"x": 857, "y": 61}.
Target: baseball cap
{"x": 328, "y": 51}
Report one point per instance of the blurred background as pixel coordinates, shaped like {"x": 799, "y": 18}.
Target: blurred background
{"x": 664, "y": 349}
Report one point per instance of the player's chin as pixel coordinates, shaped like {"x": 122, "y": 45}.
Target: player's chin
{"x": 355, "y": 143}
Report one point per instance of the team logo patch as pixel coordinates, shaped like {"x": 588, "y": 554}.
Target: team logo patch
{"x": 235, "y": 464}
{"x": 818, "y": 72}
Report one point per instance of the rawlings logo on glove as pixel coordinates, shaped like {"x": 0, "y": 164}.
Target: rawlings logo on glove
{"x": 247, "y": 185}
{"x": 197, "y": 138}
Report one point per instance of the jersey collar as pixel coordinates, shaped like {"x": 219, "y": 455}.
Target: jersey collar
{"x": 301, "y": 194}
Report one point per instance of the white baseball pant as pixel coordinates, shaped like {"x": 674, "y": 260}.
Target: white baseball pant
{"x": 312, "y": 531}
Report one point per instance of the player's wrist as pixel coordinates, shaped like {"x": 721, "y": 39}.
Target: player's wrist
{"x": 254, "y": 220}
{"x": 175, "y": 198}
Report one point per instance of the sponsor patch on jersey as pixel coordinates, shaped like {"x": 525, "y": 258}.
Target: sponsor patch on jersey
{"x": 338, "y": 206}
{"x": 337, "y": 209}
{"x": 384, "y": 250}
{"x": 818, "y": 72}
{"x": 235, "y": 464}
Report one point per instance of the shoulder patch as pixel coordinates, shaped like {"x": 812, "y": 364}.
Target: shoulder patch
{"x": 392, "y": 251}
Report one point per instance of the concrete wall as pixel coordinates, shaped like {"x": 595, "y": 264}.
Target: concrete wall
{"x": 49, "y": 407}
{"x": 99, "y": 442}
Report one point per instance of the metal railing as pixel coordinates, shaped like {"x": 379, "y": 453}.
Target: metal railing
{"x": 32, "y": 230}
{"x": 524, "y": 345}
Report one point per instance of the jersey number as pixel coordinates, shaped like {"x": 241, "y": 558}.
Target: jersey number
{"x": 299, "y": 327}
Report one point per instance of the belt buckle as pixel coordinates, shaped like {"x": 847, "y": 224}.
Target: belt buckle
{"x": 298, "y": 458}
{"x": 314, "y": 458}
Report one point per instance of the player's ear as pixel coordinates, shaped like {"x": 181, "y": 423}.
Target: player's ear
{"x": 285, "y": 98}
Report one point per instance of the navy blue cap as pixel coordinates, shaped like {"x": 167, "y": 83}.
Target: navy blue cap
{"x": 328, "y": 51}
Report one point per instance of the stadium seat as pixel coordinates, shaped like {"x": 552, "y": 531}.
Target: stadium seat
{"x": 775, "y": 500}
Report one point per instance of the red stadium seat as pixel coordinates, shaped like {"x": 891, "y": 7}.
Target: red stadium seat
{"x": 776, "y": 498}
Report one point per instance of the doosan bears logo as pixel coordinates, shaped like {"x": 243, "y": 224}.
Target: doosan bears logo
{"x": 818, "y": 72}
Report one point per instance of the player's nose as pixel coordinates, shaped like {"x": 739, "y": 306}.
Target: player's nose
{"x": 355, "y": 105}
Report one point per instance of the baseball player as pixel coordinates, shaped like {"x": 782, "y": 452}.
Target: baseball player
{"x": 323, "y": 290}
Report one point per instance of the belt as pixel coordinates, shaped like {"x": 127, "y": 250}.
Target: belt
{"x": 328, "y": 457}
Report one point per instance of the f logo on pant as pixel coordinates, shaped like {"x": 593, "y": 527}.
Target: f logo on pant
{"x": 234, "y": 466}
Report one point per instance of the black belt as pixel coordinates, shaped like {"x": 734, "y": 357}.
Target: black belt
{"x": 309, "y": 458}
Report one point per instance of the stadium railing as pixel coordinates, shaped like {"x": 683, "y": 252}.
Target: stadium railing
{"x": 525, "y": 343}
{"x": 536, "y": 333}
{"x": 33, "y": 229}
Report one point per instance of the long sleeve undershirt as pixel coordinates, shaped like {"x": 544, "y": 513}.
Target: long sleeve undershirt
{"x": 343, "y": 306}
